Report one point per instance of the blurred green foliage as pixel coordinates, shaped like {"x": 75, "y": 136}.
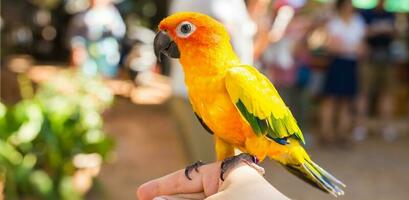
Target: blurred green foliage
{"x": 40, "y": 136}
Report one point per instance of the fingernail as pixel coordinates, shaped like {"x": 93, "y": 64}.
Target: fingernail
{"x": 158, "y": 198}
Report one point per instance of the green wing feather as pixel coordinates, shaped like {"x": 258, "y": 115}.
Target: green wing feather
{"x": 261, "y": 105}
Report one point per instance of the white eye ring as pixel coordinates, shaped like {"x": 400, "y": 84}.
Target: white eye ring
{"x": 185, "y": 29}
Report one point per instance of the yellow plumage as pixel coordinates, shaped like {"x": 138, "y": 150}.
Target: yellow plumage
{"x": 239, "y": 104}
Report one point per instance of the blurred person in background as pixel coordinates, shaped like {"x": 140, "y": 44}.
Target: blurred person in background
{"x": 379, "y": 73}
{"x": 346, "y": 31}
{"x": 94, "y": 37}
{"x": 260, "y": 15}
{"x": 300, "y": 28}
{"x": 234, "y": 15}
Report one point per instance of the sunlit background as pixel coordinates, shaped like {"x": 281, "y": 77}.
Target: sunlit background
{"x": 87, "y": 112}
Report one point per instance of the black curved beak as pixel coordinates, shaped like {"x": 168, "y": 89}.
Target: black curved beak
{"x": 164, "y": 45}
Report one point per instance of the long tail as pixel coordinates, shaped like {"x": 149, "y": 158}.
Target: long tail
{"x": 297, "y": 161}
{"x": 317, "y": 177}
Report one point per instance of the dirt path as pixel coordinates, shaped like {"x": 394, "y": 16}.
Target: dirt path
{"x": 147, "y": 146}
{"x": 373, "y": 170}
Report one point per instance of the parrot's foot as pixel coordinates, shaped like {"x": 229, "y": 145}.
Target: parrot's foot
{"x": 231, "y": 162}
{"x": 195, "y": 166}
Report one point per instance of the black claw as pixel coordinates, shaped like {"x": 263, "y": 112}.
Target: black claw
{"x": 195, "y": 166}
{"x": 255, "y": 160}
{"x": 233, "y": 161}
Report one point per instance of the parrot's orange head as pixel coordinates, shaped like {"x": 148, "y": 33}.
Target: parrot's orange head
{"x": 188, "y": 31}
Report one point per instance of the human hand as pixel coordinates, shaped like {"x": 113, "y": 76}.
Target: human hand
{"x": 241, "y": 183}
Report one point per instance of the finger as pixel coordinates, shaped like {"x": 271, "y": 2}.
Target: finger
{"x": 177, "y": 183}
{"x": 218, "y": 196}
{"x": 194, "y": 196}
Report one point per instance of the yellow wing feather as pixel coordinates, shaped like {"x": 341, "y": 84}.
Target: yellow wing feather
{"x": 261, "y": 105}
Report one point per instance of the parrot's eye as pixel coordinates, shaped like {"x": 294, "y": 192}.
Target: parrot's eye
{"x": 184, "y": 29}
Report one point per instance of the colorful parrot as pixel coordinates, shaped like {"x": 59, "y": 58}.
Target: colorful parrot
{"x": 235, "y": 102}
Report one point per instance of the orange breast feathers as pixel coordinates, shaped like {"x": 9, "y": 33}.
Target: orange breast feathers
{"x": 211, "y": 101}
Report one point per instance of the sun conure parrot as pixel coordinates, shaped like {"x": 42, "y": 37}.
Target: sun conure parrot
{"x": 235, "y": 102}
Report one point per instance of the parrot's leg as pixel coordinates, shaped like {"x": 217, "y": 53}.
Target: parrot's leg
{"x": 195, "y": 166}
{"x": 231, "y": 162}
{"x": 223, "y": 149}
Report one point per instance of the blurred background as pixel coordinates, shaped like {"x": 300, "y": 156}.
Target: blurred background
{"x": 87, "y": 112}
